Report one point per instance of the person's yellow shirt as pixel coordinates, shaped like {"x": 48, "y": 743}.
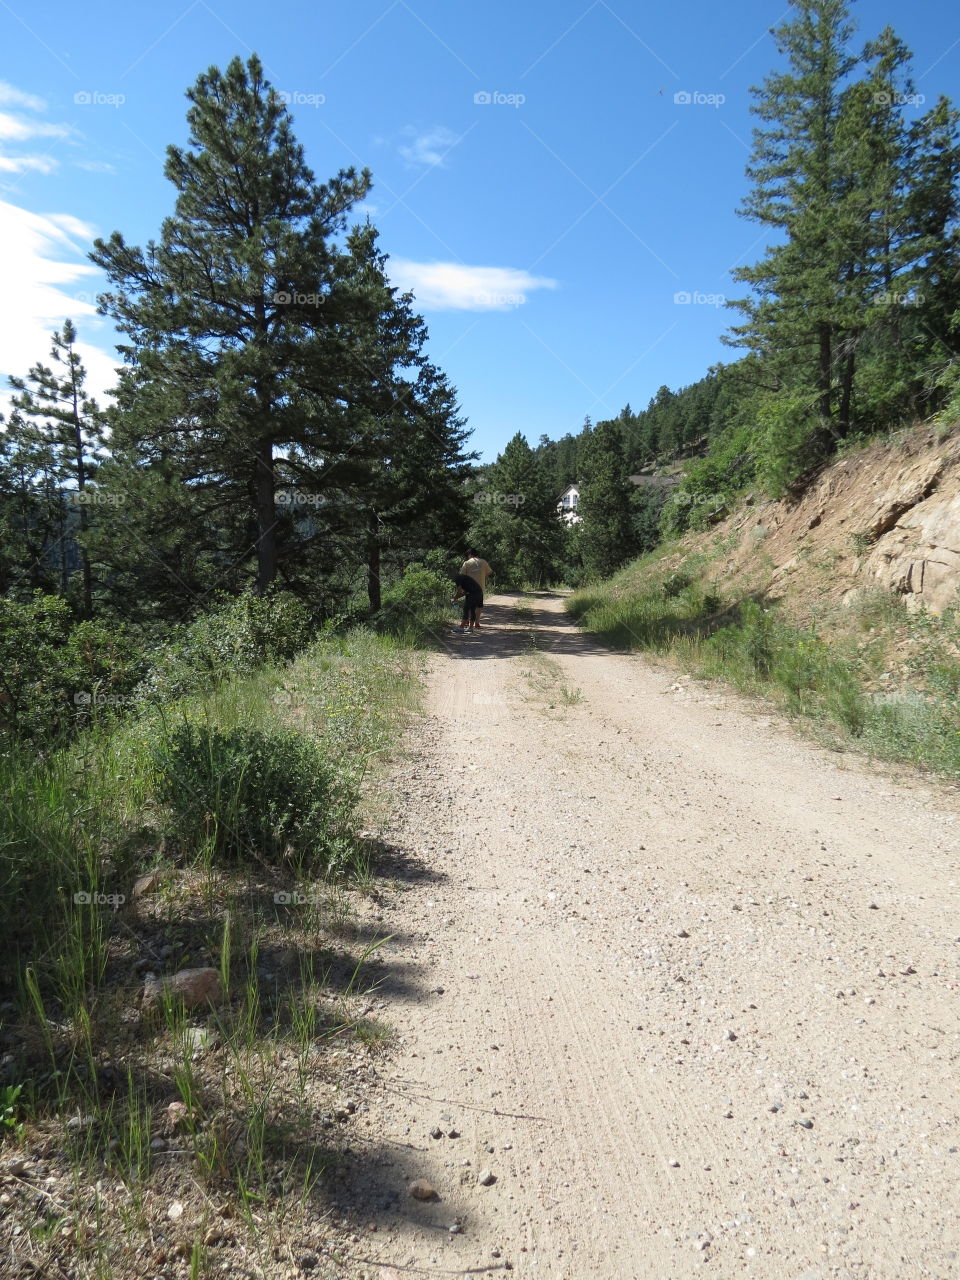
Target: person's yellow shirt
{"x": 478, "y": 570}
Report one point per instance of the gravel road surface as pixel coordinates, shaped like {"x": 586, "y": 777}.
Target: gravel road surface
{"x": 676, "y": 990}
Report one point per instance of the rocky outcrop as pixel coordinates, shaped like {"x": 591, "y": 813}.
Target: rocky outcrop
{"x": 919, "y": 555}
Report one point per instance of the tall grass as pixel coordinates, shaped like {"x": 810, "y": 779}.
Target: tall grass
{"x": 825, "y": 683}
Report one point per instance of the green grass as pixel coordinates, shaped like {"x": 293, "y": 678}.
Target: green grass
{"x": 828, "y": 685}
{"x": 251, "y": 788}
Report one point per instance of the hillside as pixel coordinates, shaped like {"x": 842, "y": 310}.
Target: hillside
{"x": 887, "y": 517}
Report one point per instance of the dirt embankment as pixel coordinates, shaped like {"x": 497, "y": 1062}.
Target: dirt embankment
{"x": 887, "y": 517}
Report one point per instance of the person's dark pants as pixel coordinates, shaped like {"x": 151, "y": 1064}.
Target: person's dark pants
{"x": 472, "y": 601}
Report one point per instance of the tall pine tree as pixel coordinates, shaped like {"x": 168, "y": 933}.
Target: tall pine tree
{"x": 230, "y": 315}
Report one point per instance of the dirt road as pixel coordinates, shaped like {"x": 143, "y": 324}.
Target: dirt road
{"x": 685, "y": 985}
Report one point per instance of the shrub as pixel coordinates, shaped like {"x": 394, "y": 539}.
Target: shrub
{"x": 55, "y": 673}
{"x": 239, "y": 634}
{"x": 244, "y": 793}
{"x": 417, "y": 607}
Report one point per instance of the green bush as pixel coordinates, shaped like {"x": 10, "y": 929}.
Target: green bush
{"x": 242, "y": 793}
{"x": 56, "y": 674}
{"x": 417, "y": 608}
{"x": 239, "y": 634}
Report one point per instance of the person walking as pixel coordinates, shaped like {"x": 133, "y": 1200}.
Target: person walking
{"x": 477, "y": 569}
{"x": 472, "y": 600}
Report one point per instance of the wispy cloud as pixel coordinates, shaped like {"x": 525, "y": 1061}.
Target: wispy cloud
{"x": 46, "y": 275}
{"x": 452, "y": 286}
{"x": 27, "y": 164}
{"x": 21, "y": 129}
{"x": 46, "y": 279}
{"x": 428, "y": 149}
{"x": 94, "y": 166}
{"x": 11, "y": 96}
{"x": 17, "y": 128}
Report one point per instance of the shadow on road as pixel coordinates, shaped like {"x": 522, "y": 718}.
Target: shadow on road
{"x": 542, "y": 623}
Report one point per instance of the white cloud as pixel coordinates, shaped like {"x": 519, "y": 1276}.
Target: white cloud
{"x": 95, "y": 166}
{"x": 46, "y": 280}
{"x": 450, "y": 286}
{"x": 10, "y": 96}
{"x": 428, "y": 148}
{"x": 46, "y": 277}
{"x": 24, "y": 164}
{"x": 19, "y": 129}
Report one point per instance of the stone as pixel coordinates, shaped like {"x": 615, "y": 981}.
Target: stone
{"x": 177, "y": 1115}
{"x": 485, "y": 1178}
{"x": 145, "y": 884}
{"x": 420, "y": 1189}
{"x": 195, "y": 988}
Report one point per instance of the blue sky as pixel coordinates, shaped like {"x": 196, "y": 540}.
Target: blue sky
{"x": 546, "y": 225}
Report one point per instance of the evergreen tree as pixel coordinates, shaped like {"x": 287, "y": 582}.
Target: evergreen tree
{"x": 231, "y": 316}
{"x": 605, "y": 534}
{"x": 57, "y": 431}
{"x": 517, "y": 526}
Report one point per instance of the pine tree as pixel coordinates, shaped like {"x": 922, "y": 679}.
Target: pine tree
{"x": 61, "y": 429}
{"x": 605, "y": 534}
{"x": 517, "y": 526}
{"x": 797, "y": 168}
{"x": 231, "y": 316}
{"x": 837, "y": 312}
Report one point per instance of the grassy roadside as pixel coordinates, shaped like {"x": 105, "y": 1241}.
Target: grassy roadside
{"x": 222, "y": 832}
{"x": 869, "y": 676}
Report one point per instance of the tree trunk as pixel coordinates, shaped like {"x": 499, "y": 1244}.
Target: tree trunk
{"x": 373, "y": 561}
{"x": 84, "y": 514}
{"x": 825, "y": 372}
{"x": 266, "y": 516}
{"x": 846, "y": 387}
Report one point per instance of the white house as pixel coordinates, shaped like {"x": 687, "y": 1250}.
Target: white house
{"x": 568, "y": 504}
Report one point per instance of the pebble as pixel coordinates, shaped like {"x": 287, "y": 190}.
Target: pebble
{"x": 420, "y": 1189}
{"x": 805, "y": 1124}
{"x": 485, "y": 1178}
{"x": 453, "y": 1133}
{"x": 682, "y": 933}
{"x": 436, "y": 1133}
